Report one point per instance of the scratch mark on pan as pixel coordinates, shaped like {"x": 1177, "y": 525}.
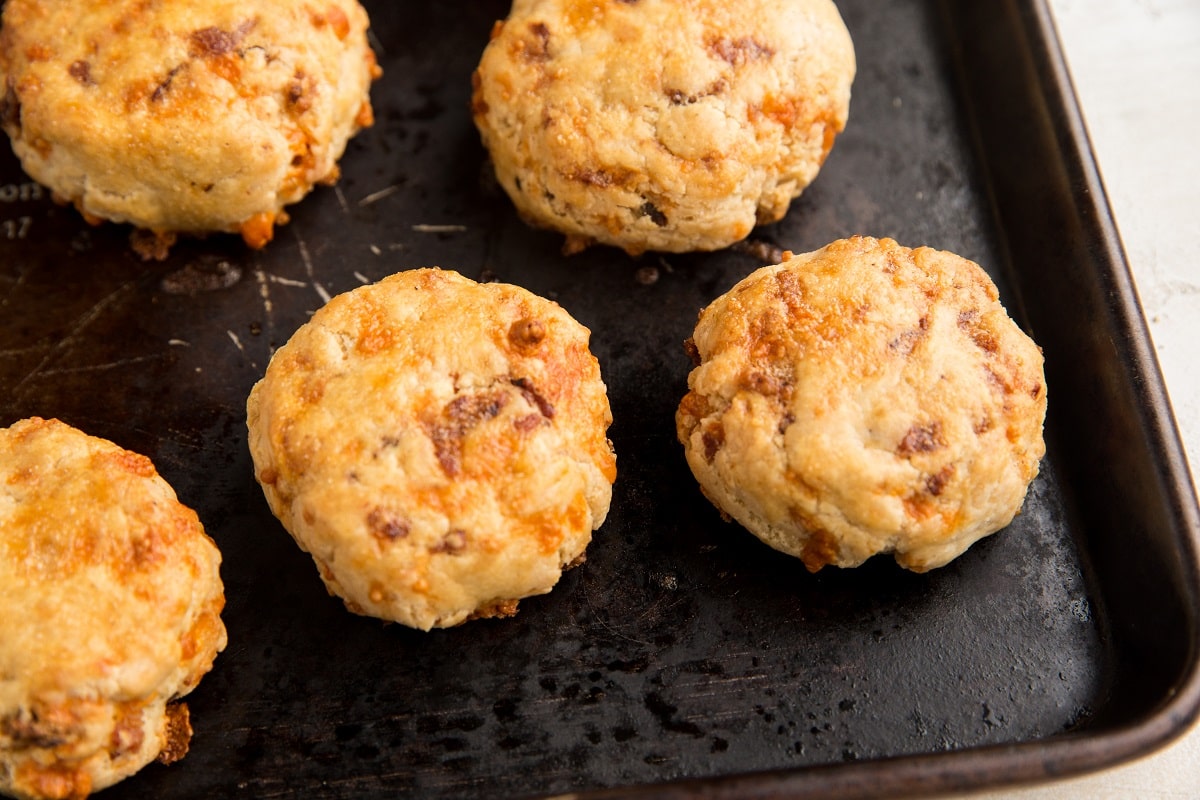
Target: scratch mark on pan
{"x": 341, "y": 198}
{"x": 375, "y": 249}
{"x": 78, "y": 326}
{"x": 610, "y": 628}
{"x": 16, "y": 352}
{"x": 179, "y": 342}
{"x": 264, "y": 292}
{"x": 236, "y": 341}
{"x": 124, "y": 362}
{"x": 304, "y": 256}
{"x": 361, "y": 278}
{"x": 309, "y": 270}
{"x": 439, "y": 228}
{"x": 17, "y": 283}
{"x": 375, "y": 197}
{"x": 286, "y": 281}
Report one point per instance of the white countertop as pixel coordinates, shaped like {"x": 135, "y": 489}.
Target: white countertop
{"x": 1136, "y": 69}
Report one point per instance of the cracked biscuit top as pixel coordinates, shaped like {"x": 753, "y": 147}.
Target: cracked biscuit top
{"x": 671, "y": 125}
{"x": 191, "y": 116}
{"x": 437, "y": 445}
{"x": 865, "y": 398}
{"x": 110, "y": 601}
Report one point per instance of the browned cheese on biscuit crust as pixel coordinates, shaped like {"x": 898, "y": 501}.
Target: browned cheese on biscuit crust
{"x": 437, "y": 445}
{"x": 865, "y": 398}
{"x": 193, "y": 116}
{"x": 110, "y": 603}
{"x": 672, "y": 125}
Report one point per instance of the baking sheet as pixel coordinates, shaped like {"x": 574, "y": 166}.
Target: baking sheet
{"x": 684, "y": 657}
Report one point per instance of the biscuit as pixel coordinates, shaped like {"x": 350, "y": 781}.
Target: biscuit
{"x": 110, "y": 603}
{"x": 864, "y": 398}
{"x": 184, "y": 117}
{"x": 661, "y": 124}
{"x": 436, "y": 445}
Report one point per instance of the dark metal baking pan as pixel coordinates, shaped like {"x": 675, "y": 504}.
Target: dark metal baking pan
{"x": 684, "y": 658}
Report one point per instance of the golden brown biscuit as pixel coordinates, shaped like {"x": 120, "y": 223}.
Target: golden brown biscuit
{"x": 865, "y": 398}
{"x": 110, "y": 603}
{"x": 437, "y": 445}
{"x": 670, "y": 125}
{"x": 190, "y": 116}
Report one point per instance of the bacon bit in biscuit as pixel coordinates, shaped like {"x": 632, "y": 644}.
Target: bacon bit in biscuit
{"x": 459, "y": 416}
{"x": 259, "y": 230}
{"x": 160, "y": 91}
{"x": 713, "y": 438}
{"x": 82, "y": 72}
{"x": 300, "y": 92}
{"x": 128, "y": 733}
{"x": 921, "y": 439}
{"x": 386, "y": 526}
{"x": 936, "y": 484}
{"x": 211, "y": 41}
{"x": 737, "y": 52}
{"x": 533, "y": 396}
{"x": 179, "y": 734}
{"x": 536, "y": 47}
{"x": 529, "y": 422}
{"x": 969, "y": 323}
{"x": 526, "y": 334}
{"x": 47, "y": 728}
{"x": 785, "y": 422}
{"x": 452, "y": 543}
{"x": 599, "y": 178}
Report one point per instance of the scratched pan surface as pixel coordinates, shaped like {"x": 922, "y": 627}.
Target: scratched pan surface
{"x": 683, "y": 650}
